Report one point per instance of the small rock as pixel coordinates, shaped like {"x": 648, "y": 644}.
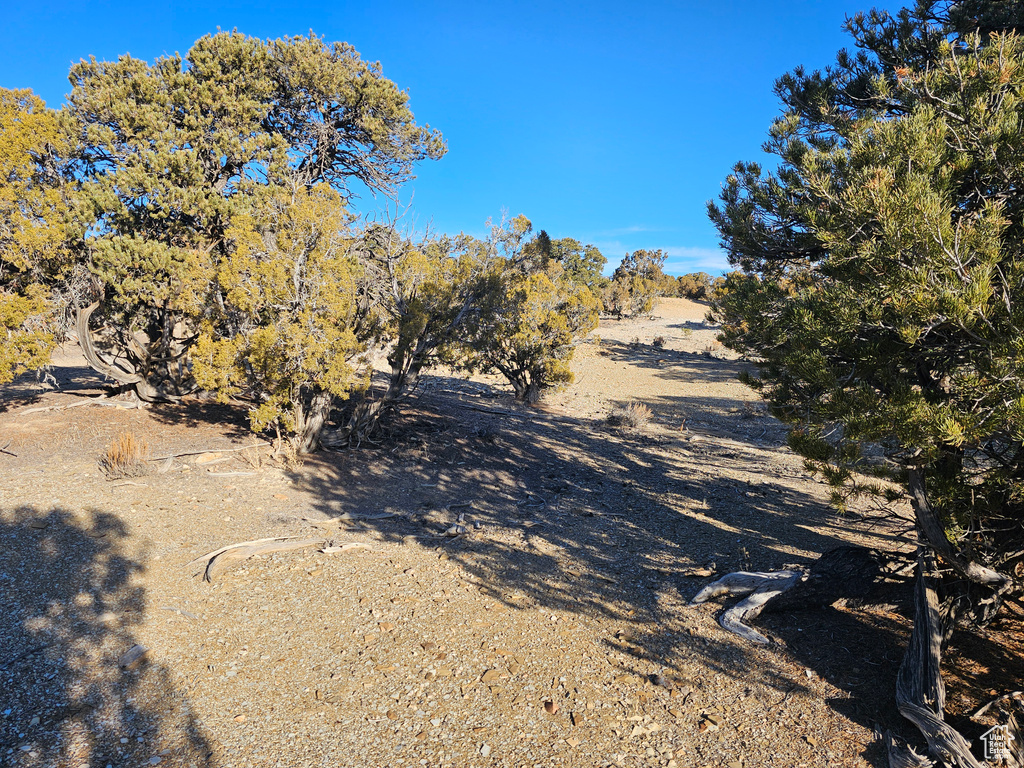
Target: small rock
{"x": 485, "y": 750}
{"x": 573, "y": 742}
{"x": 34, "y": 720}
{"x": 386, "y": 626}
{"x": 392, "y": 715}
{"x": 811, "y": 740}
{"x": 133, "y": 657}
{"x": 662, "y": 681}
{"x": 37, "y": 524}
{"x": 490, "y": 676}
{"x": 551, "y": 707}
{"x": 239, "y": 718}
{"x": 576, "y": 718}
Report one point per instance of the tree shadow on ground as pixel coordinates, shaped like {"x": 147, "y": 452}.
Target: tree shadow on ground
{"x": 66, "y": 374}
{"x": 674, "y": 365}
{"x": 72, "y": 605}
{"x": 578, "y": 517}
{"x": 232, "y": 418}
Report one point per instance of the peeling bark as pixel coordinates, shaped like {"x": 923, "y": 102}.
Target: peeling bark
{"x": 920, "y": 693}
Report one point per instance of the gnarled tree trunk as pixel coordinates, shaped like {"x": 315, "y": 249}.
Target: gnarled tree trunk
{"x": 156, "y": 370}
{"x": 311, "y": 420}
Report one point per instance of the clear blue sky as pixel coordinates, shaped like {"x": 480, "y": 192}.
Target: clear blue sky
{"x": 605, "y": 121}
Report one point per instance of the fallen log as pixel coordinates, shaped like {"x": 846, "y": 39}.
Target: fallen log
{"x": 761, "y": 587}
{"x": 221, "y": 559}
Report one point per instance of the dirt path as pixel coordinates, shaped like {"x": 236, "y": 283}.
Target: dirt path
{"x": 531, "y": 640}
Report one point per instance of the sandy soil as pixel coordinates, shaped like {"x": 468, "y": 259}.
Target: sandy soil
{"x": 531, "y": 640}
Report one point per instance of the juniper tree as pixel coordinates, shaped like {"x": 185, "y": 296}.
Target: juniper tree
{"x": 531, "y": 318}
{"x": 172, "y": 152}
{"x": 582, "y": 264}
{"x": 635, "y": 283}
{"x": 283, "y": 332}
{"x": 423, "y": 297}
{"x": 38, "y": 225}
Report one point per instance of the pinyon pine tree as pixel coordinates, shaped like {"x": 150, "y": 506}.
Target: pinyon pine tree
{"x": 881, "y": 291}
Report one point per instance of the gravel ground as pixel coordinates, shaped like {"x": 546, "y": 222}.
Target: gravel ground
{"x": 555, "y": 632}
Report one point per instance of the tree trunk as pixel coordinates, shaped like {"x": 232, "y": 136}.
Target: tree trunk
{"x": 920, "y": 693}
{"x": 310, "y": 421}
{"x": 930, "y": 526}
{"x": 155, "y": 370}
{"x": 366, "y": 415}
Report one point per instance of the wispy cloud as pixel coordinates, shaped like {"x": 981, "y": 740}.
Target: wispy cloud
{"x": 682, "y": 260}
{"x": 636, "y": 228}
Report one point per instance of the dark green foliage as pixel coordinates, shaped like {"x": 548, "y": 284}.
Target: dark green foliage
{"x": 881, "y": 271}
{"x": 582, "y": 264}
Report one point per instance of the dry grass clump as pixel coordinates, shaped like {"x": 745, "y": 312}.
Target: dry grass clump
{"x": 631, "y": 416}
{"x": 126, "y": 456}
{"x": 659, "y": 342}
{"x": 251, "y": 456}
{"x": 715, "y": 350}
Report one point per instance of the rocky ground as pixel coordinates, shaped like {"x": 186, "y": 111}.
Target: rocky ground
{"x": 554, "y": 632}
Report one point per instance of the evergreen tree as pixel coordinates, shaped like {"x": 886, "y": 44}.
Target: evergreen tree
{"x": 880, "y": 285}
{"x": 172, "y": 152}
{"x": 37, "y": 230}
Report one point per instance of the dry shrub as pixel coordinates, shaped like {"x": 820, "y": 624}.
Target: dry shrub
{"x": 632, "y": 416}
{"x": 251, "y": 456}
{"x": 287, "y": 453}
{"x": 126, "y": 456}
{"x": 659, "y": 342}
{"x": 714, "y": 349}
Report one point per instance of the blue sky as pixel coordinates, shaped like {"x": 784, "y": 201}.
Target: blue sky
{"x": 603, "y": 122}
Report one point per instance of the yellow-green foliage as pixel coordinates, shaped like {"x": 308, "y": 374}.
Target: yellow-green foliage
{"x": 190, "y": 165}
{"x": 288, "y": 285}
{"x": 530, "y": 323}
{"x": 33, "y": 227}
